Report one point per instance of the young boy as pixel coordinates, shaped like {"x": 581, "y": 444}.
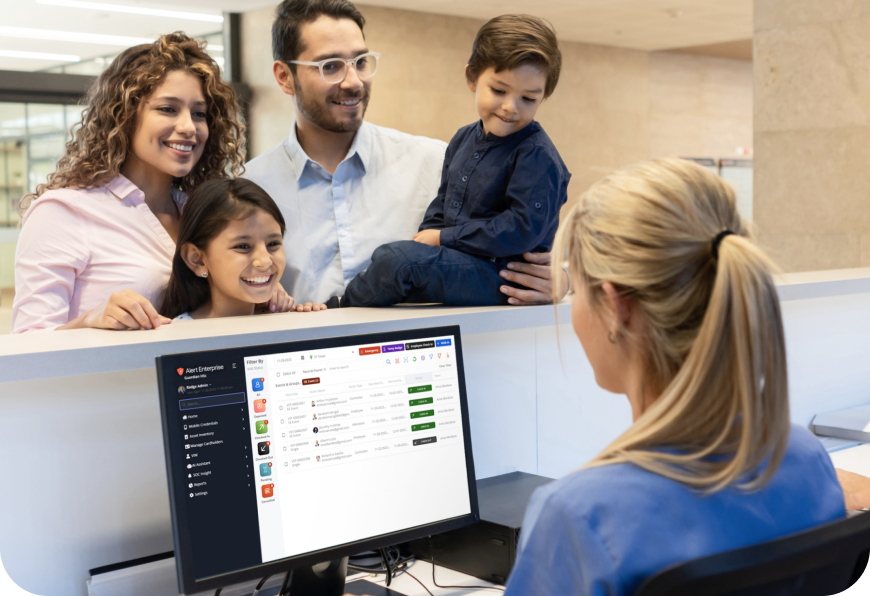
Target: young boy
{"x": 502, "y": 185}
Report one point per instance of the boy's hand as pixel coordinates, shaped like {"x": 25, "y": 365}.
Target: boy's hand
{"x": 430, "y": 237}
{"x": 534, "y": 275}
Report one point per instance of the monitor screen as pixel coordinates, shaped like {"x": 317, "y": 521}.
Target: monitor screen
{"x": 296, "y": 453}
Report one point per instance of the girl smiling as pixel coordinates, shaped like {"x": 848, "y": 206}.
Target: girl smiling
{"x": 230, "y": 253}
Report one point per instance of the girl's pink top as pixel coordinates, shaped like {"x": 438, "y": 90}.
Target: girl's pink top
{"x": 78, "y": 246}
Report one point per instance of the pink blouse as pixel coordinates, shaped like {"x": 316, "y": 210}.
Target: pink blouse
{"x": 78, "y": 246}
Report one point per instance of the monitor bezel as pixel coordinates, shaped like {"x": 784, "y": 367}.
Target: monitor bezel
{"x": 187, "y": 583}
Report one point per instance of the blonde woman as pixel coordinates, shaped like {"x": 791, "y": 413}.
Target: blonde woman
{"x": 675, "y": 308}
{"x": 98, "y": 238}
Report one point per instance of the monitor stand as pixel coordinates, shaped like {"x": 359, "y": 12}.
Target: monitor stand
{"x": 327, "y": 579}
{"x": 323, "y": 579}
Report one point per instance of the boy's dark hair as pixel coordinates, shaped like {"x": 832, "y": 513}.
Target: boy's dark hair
{"x": 513, "y": 40}
{"x": 292, "y": 14}
{"x": 206, "y": 213}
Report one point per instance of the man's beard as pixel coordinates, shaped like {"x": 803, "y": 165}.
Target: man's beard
{"x": 318, "y": 114}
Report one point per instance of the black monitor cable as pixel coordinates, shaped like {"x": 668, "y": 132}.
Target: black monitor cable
{"x": 392, "y": 559}
{"x": 260, "y": 585}
{"x": 397, "y": 562}
{"x": 388, "y": 564}
{"x": 437, "y": 585}
{"x": 285, "y": 585}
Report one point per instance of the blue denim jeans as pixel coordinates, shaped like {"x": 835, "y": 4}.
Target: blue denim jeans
{"x": 408, "y": 271}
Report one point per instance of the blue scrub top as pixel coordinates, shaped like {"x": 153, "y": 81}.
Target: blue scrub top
{"x": 603, "y": 531}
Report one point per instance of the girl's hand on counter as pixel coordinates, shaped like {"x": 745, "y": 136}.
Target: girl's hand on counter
{"x": 280, "y": 301}
{"x": 310, "y": 307}
{"x": 123, "y": 310}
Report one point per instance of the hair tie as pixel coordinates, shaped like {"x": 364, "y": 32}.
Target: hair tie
{"x": 718, "y": 239}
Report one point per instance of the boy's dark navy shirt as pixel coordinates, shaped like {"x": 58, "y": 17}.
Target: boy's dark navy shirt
{"x": 499, "y": 196}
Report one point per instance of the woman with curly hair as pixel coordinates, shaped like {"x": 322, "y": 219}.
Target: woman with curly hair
{"x": 98, "y": 238}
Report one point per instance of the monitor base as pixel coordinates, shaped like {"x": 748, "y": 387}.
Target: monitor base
{"x": 362, "y": 587}
{"x": 323, "y": 579}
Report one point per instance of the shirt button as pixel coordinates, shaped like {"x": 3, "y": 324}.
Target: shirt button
{"x": 456, "y": 203}
{"x": 477, "y": 156}
{"x": 343, "y": 233}
{"x": 538, "y": 205}
{"x": 465, "y": 178}
{"x": 336, "y": 183}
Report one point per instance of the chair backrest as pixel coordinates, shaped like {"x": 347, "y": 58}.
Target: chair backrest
{"x": 819, "y": 562}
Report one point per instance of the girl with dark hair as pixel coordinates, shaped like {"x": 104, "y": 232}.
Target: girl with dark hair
{"x": 97, "y": 238}
{"x": 229, "y": 255}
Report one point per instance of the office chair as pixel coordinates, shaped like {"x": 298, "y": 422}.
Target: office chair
{"x": 818, "y": 562}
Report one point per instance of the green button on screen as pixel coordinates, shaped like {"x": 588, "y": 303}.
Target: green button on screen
{"x": 422, "y": 413}
{"x": 420, "y": 389}
{"x": 421, "y": 401}
{"x": 424, "y": 426}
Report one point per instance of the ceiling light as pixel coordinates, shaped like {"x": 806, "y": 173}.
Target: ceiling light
{"x": 154, "y": 12}
{"x": 51, "y": 35}
{"x": 39, "y": 56}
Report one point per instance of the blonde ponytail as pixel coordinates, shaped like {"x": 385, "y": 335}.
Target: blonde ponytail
{"x": 714, "y": 337}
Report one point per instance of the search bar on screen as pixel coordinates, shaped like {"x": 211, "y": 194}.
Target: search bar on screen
{"x": 194, "y": 403}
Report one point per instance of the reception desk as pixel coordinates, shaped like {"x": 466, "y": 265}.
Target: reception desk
{"x": 84, "y": 483}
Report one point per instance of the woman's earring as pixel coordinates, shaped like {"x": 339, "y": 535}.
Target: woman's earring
{"x": 613, "y": 337}
{"x": 205, "y": 273}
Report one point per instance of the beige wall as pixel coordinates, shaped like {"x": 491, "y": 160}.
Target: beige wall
{"x": 812, "y": 132}
{"x": 612, "y": 106}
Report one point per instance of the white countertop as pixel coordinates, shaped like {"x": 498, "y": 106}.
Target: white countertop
{"x": 42, "y": 355}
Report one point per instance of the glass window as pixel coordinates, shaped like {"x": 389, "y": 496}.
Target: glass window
{"x": 32, "y": 140}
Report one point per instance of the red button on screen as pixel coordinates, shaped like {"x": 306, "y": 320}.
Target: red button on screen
{"x": 367, "y": 351}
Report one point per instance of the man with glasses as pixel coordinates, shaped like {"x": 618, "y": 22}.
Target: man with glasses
{"x": 346, "y": 186}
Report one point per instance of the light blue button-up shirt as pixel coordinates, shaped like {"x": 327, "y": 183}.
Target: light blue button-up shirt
{"x": 378, "y": 194}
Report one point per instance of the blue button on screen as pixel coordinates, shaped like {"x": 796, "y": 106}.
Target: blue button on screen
{"x": 442, "y": 342}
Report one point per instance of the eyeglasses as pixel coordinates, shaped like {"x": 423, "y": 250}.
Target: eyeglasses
{"x": 334, "y": 70}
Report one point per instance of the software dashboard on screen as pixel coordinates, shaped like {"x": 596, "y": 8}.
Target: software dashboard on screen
{"x": 279, "y": 451}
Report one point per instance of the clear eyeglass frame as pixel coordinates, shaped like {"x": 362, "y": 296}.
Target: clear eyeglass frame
{"x": 345, "y": 64}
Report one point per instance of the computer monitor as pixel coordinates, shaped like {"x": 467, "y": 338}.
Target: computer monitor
{"x": 286, "y": 455}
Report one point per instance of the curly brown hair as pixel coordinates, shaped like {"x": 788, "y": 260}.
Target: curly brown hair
{"x": 100, "y": 142}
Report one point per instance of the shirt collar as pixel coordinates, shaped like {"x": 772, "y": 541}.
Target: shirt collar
{"x": 122, "y": 187}
{"x": 525, "y": 132}
{"x": 361, "y": 147}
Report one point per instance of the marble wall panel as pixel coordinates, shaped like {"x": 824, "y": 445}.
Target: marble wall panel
{"x": 813, "y": 181}
{"x": 865, "y": 251}
{"x": 699, "y": 106}
{"x": 769, "y": 14}
{"x": 811, "y": 76}
{"x": 812, "y": 125}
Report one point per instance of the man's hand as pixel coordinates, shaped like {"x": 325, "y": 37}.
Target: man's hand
{"x": 856, "y": 490}
{"x": 430, "y": 237}
{"x": 534, "y": 275}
